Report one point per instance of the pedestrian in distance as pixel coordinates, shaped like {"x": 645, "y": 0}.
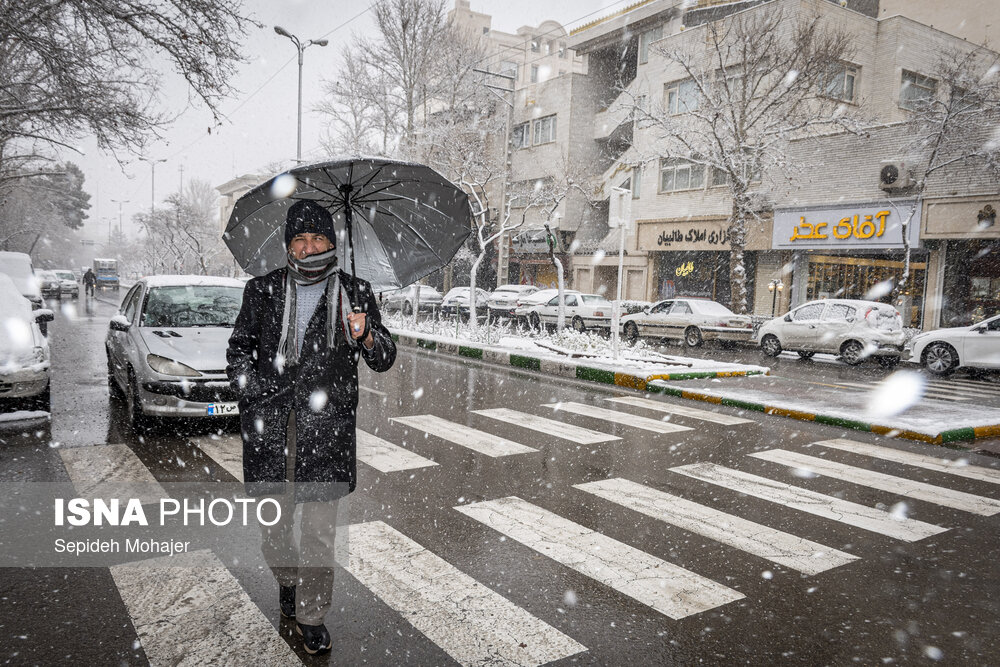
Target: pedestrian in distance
{"x": 293, "y": 358}
{"x": 89, "y": 281}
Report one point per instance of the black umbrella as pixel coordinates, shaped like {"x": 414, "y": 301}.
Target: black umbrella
{"x": 400, "y": 220}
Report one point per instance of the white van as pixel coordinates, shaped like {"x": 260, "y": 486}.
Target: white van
{"x": 17, "y": 265}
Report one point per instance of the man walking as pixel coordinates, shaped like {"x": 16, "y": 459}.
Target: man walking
{"x": 293, "y": 357}
{"x": 89, "y": 280}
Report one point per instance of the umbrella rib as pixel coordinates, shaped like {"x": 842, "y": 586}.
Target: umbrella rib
{"x": 372, "y": 177}
{"x": 334, "y": 197}
{"x": 412, "y": 229}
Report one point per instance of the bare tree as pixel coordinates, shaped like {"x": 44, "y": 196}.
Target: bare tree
{"x": 361, "y": 117}
{"x": 747, "y": 84}
{"x": 951, "y": 127}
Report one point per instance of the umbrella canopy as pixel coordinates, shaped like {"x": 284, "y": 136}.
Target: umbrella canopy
{"x": 395, "y": 221}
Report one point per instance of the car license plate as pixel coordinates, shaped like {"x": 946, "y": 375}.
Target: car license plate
{"x": 222, "y": 409}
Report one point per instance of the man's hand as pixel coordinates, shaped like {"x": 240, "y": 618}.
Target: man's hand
{"x": 357, "y": 322}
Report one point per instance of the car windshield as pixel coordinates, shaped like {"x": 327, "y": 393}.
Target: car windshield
{"x": 594, "y": 300}
{"x": 192, "y": 306}
{"x": 66, "y": 275}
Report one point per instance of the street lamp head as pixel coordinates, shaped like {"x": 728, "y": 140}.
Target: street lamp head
{"x": 281, "y": 31}
{"x": 321, "y": 42}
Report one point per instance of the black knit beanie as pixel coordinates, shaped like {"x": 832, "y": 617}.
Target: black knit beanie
{"x": 307, "y": 217}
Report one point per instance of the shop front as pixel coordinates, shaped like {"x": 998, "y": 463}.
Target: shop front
{"x": 529, "y": 260}
{"x": 854, "y": 251}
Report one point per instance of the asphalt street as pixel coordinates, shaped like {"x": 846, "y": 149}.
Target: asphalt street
{"x": 506, "y": 517}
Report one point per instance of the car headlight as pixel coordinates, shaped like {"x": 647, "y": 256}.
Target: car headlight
{"x": 169, "y": 366}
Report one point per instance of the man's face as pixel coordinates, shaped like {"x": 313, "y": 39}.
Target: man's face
{"x": 303, "y": 245}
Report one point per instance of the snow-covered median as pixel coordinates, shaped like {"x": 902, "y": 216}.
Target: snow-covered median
{"x": 23, "y": 416}
{"x": 569, "y": 353}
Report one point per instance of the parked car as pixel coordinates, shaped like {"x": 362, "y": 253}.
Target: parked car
{"x": 692, "y": 320}
{"x": 49, "y": 283}
{"x": 69, "y": 286}
{"x": 503, "y": 300}
{"x": 166, "y": 347}
{"x": 582, "y": 311}
{"x": 853, "y": 329}
{"x": 24, "y": 349}
{"x": 405, "y": 298}
{"x": 944, "y": 350}
{"x": 457, "y": 301}
{"x": 17, "y": 265}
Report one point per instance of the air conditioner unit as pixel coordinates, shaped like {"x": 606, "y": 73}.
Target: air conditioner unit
{"x": 894, "y": 175}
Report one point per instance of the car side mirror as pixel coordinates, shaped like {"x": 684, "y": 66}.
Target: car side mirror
{"x": 788, "y": 317}
{"x": 980, "y": 330}
{"x": 44, "y": 315}
{"x": 646, "y": 310}
{"x": 119, "y": 323}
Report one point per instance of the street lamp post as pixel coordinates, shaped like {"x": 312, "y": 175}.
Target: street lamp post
{"x": 119, "y": 202}
{"x": 152, "y": 183}
{"x": 300, "y": 47}
{"x": 774, "y": 287}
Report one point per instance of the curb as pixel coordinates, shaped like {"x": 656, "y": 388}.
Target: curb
{"x": 560, "y": 368}
{"x": 942, "y": 438}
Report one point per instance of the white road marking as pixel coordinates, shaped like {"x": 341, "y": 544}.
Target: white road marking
{"x": 667, "y": 588}
{"x": 804, "y": 500}
{"x": 645, "y": 423}
{"x": 110, "y": 471}
{"x": 196, "y": 615}
{"x": 957, "y": 467}
{"x": 928, "y": 392}
{"x": 774, "y": 545}
{"x": 465, "y": 436}
{"x": 470, "y": 622}
{"x": 387, "y": 457}
{"x": 577, "y": 434}
{"x": 683, "y": 410}
{"x": 901, "y": 486}
{"x": 227, "y": 451}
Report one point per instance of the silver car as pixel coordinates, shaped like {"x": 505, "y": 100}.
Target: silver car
{"x": 166, "y": 347}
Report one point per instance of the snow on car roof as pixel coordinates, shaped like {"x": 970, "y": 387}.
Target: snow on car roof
{"x": 184, "y": 281}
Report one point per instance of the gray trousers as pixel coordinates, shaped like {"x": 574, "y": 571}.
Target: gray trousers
{"x": 309, "y": 565}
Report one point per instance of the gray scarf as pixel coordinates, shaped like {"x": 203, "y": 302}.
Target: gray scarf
{"x": 309, "y": 271}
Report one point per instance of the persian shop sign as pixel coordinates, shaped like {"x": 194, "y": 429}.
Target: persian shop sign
{"x": 859, "y": 226}
{"x": 703, "y": 235}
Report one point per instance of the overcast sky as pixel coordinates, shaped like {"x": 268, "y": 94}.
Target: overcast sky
{"x": 260, "y": 124}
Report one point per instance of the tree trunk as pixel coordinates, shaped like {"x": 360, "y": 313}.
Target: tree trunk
{"x": 737, "y": 263}
{"x": 472, "y": 289}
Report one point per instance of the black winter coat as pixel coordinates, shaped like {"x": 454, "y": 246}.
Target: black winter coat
{"x": 326, "y": 449}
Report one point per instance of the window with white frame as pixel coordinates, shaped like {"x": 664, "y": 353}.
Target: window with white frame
{"x": 647, "y": 38}
{"x": 562, "y": 49}
{"x": 545, "y": 130}
{"x": 636, "y": 181}
{"x": 916, "y": 90}
{"x": 681, "y": 96}
{"x": 534, "y": 74}
{"x": 839, "y": 82}
{"x": 679, "y": 174}
{"x": 521, "y": 136}
{"x": 536, "y": 46}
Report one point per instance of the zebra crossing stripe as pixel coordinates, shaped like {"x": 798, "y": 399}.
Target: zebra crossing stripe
{"x": 957, "y": 467}
{"x": 196, "y": 613}
{"x": 645, "y": 423}
{"x": 227, "y": 451}
{"x": 927, "y": 391}
{"x": 464, "y": 436}
{"x": 387, "y": 457}
{"x": 667, "y": 588}
{"x": 774, "y": 545}
{"x": 683, "y": 410}
{"x": 969, "y": 382}
{"x": 901, "y": 486}
{"x": 804, "y": 500}
{"x": 112, "y": 471}
{"x": 577, "y": 434}
{"x": 470, "y": 622}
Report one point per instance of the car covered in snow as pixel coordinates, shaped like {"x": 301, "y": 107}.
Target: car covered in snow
{"x": 24, "y": 350}
{"x": 67, "y": 283}
{"x": 457, "y": 301}
{"x": 406, "y": 299}
{"x": 166, "y": 347}
{"x": 503, "y": 300}
{"x": 582, "y": 311}
{"x": 944, "y": 350}
{"x": 18, "y": 266}
{"x": 853, "y": 329}
{"x": 49, "y": 283}
{"x": 692, "y": 320}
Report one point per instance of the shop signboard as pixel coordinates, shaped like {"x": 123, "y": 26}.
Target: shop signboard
{"x": 693, "y": 235}
{"x": 855, "y": 226}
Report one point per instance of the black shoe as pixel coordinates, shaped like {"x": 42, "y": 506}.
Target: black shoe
{"x": 286, "y": 600}
{"x": 315, "y": 638}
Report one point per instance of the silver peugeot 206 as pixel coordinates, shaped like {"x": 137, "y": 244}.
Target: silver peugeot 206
{"x": 166, "y": 348}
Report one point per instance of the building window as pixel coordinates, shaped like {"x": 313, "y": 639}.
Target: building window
{"x": 677, "y": 174}
{"x": 562, "y": 49}
{"x": 636, "y": 181}
{"x": 534, "y": 74}
{"x": 508, "y": 68}
{"x": 536, "y": 46}
{"x": 681, "y": 96}
{"x": 486, "y": 30}
{"x": 545, "y": 130}
{"x": 720, "y": 177}
{"x": 645, "y": 39}
{"x": 521, "y": 136}
{"x": 839, "y": 82}
{"x": 916, "y": 90}
{"x": 550, "y": 48}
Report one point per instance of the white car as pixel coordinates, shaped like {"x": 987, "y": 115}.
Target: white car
{"x": 853, "y": 329}
{"x": 503, "y": 300}
{"x": 691, "y": 320}
{"x": 457, "y": 301}
{"x": 69, "y": 286}
{"x": 944, "y": 350}
{"x": 582, "y": 311}
{"x": 405, "y": 298}
{"x": 24, "y": 350}
{"x": 17, "y": 265}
